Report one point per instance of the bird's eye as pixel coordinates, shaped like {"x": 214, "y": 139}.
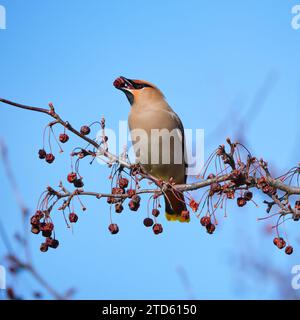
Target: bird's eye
{"x": 138, "y": 86}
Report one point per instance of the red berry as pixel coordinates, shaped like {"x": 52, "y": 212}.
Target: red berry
{"x": 119, "y": 83}
{"x": 133, "y": 206}
{"x": 72, "y": 177}
{"x": 289, "y": 250}
{"x": 42, "y": 154}
{"x": 63, "y": 138}
{"x": 185, "y": 215}
{"x": 85, "y": 130}
{"x": 210, "y": 228}
{"x": 275, "y": 241}
{"x": 119, "y": 207}
{"x": 52, "y": 243}
{"x": 136, "y": 199}
{"x": 50, "y": 158}
{"x": 148, "y": 222}
{"x": 281, "y": 243}
{"x": 34, "y": 220}
{"x": 117, "y": 191}
{"x": 131, "y": 193}
{"x": 241, "y": 201}
{"x": 230, "y": 194}
{"x": 113, "y": 228}
{"x": 46, "y": 229}
{"x": 44, "y": 247}
{"x": 205, "y": 221}
{"x": 73, "y": 217}
{"x": 194, "y": 205}
{"x": 157, "y": 228}
{"x": 248, "y": 195}
{"x": 123, "y": 183}
{"x": 48, "y": 226}
{"x": 155, "y": 213}
{"x": 39, "y": 214}
{"x": 46, "y": 233}
{"x": 78, "y": 183}
{"x": 111, "y": 200}
{"x": 35, "y": 229}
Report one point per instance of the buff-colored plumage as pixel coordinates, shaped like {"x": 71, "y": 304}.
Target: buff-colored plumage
{"x": 150, "y": 110}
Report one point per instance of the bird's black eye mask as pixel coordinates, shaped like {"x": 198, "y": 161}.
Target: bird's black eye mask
{"x": 138, "y": 86}
{"x": 123, "y": 83}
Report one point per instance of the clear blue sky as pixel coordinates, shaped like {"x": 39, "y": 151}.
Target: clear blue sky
{"x": 216, "y": 62}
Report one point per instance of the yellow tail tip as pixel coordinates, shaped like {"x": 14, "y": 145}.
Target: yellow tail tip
{"x": 174, "y": 217}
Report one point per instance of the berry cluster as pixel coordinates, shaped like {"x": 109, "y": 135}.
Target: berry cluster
{"x": 41, "y": 222}
{"x": 123, "y": 190}
{"x": 235, "y": 173}
{"x": 206, "y": 222}
{"x": 281, "y": 244}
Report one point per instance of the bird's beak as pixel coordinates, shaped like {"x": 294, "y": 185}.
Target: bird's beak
{"x": 123, "y": 84}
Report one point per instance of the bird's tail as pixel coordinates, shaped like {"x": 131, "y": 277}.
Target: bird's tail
{"x": 175, "y": 204}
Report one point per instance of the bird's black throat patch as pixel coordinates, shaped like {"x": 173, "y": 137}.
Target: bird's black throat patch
{"x": 129, "y": 96}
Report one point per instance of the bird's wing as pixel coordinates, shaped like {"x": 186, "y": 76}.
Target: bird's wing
{"x": 181, "y": 128}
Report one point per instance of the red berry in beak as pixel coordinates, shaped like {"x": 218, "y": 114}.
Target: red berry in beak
{"x": 148, "y": 222}
{"x": 119, "y": 83}
{"x": 73, "y": 218}
{"x": 63, "y": 138}
{"x": 85, "y": 130}
{"x": 113, "y": 228}
{"x": 72, "y": 177}
{"x": 50, "y": 158}
{"x": 155, "y": 212}
{"x": 289, "y": 250}
{"x": 42, "y": 154}
{"x": 157, "y": 228}
{"x": 44, "y": 247}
